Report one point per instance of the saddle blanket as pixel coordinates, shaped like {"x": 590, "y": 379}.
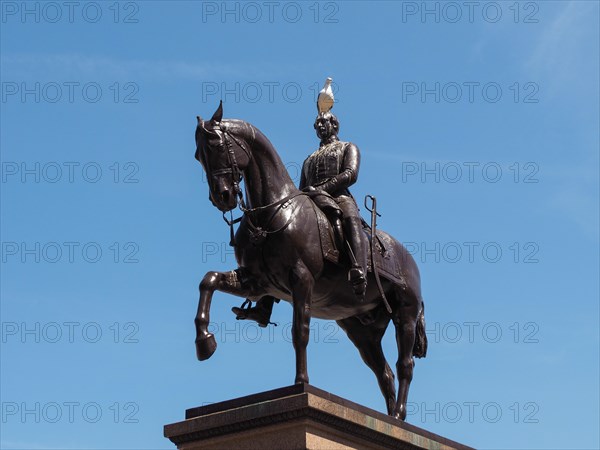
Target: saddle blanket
{"x": 388, "y": 264}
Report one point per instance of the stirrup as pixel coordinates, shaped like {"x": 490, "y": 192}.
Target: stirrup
{"x": 247, "y": 311}
{"x": 357, "y": 278}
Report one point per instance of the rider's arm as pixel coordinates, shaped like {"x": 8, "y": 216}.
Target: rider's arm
{"x": 348, "y": 171}
{"x": 303, "y": 175}
{"x": 302, "y": 180}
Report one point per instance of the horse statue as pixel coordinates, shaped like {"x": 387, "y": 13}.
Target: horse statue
{"x": 279, "y": 251}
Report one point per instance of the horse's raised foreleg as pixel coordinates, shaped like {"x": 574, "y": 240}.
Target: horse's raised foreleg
{"x": 301, "y": 282}
{"x": 367, "y": 339}
{"x": 222, "y": 281}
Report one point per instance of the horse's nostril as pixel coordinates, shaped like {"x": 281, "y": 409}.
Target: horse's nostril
{"x": 225, "y": 196}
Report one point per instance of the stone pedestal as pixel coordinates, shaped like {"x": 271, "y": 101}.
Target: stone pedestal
{"x": 297, "y": 417}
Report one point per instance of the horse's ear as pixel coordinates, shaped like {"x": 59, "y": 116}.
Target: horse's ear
{"x": 218, "y": 115}
{"x": 200, "y": 121}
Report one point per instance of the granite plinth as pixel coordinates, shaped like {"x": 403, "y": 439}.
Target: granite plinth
{"x": 297, "y": 417}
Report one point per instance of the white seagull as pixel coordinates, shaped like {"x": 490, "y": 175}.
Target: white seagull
{"x": 325, "y": 99}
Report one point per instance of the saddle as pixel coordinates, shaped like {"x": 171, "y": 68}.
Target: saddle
{"x": 334, "y": 251}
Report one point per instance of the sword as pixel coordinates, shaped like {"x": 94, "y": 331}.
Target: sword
{"x": 374, "y": 214}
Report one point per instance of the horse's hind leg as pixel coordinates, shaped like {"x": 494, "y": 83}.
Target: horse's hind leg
{"x": 223, "y": 281}
{"x": 405, "y": 321}
{"x": 367, "y": 339}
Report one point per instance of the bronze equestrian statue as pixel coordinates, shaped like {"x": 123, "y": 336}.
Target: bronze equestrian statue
{"x": 287, "y": 249}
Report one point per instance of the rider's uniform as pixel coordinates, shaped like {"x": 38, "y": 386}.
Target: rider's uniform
{"x": 333, "y": 168}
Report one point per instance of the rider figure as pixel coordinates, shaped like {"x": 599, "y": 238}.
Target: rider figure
{"x": 332, "y": 168}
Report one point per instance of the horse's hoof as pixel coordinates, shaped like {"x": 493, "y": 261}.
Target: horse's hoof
{"x": 205, "y": 347}
{"x": 400, "y": 414}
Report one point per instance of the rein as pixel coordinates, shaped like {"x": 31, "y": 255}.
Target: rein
{"x": 257, "y": 233}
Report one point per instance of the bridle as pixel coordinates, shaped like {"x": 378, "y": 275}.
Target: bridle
{"x": 236, "y": 174}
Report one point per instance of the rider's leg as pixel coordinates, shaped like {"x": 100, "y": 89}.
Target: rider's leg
{"x": 261, "y": 313}
{"x": 357, "y": 240}
{"x": 339, "y": 231}
{"x": 359, "y": 245}
{"x": 335, "y": 217}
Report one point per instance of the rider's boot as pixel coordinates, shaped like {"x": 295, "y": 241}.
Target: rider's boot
{"x": 261, "y": 313}
{"x": 357, "y": 275}
{"x": 339, "y": 232}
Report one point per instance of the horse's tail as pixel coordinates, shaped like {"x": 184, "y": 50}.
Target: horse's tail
{"x": 420, "y": 348}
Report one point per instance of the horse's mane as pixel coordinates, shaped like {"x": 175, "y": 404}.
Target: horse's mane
{"x": 242, "y": 128}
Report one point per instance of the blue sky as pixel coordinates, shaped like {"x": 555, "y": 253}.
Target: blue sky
{"x": 478, "y": 128}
